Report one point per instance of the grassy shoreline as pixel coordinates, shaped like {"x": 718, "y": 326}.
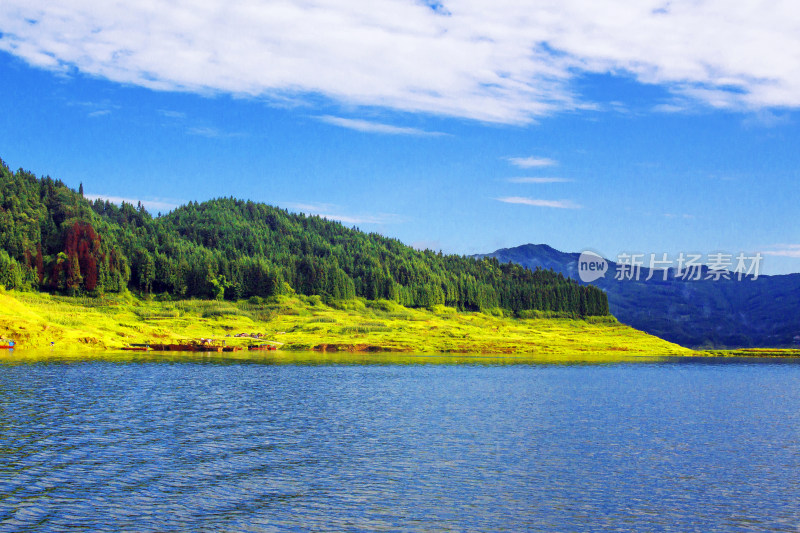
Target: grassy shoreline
{"x": 753, "y": 352}
{"x": 80, "y": 324}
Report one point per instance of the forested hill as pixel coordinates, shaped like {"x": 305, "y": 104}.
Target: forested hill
{"x": 53, "y": 239}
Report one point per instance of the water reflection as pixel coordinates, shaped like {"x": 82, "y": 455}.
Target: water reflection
{"x": 322, "y": 358}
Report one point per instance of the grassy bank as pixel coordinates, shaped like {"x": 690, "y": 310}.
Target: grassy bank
{"x": 35, "y": 320}
{"x": 753, "y": 352}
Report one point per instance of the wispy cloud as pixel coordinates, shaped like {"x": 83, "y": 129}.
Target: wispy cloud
{"x": 427, "y": 245}
{"x": 538, "y": 180}
{"x": 499, "y": 61}
{"x": 153, "y": 205}
{"x": 679, "y": 215}
{"x": 784, "y": 250}
{"x": 177, "y": 115}
{"x": 211, "y": 132}
{"x": 204, "y": 131}
{"x": 531, "y": 162}
{"x": 181, "y": 120}
{"x": 619, "y": 107}
{"x": 559, "y": 204}
{"x": 672, "y": 107}
{"x": 96, "y": 109}
{"x": 375, "y": 127}
{"x": 765, "y": 118}
{"x": 334, "y": 212}
{"x": 310, "y": 208}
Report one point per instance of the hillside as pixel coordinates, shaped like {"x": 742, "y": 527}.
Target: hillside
{"x": 724, "y": 313}
{"x": 52, "y": 239}
{"x": 303, "y": 323}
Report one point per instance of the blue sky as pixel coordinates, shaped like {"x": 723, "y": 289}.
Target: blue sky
{"x": 645, "y": 127}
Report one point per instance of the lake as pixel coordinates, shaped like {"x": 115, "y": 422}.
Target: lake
{"x": 348, "y": 443}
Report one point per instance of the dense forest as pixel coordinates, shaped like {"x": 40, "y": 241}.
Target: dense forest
{"x": 53, "y": 239}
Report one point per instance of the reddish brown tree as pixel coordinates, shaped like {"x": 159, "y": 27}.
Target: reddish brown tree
{"x": 82, "y": 250}
{"x": 39, "y": 263}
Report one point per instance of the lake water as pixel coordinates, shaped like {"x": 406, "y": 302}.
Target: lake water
{"x": 416, "y": 444}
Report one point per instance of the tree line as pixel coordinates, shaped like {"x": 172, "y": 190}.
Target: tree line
{"x": 53, "y": 239}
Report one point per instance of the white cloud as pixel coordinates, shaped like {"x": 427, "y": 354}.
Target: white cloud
{"x": 333, "y": 212}
{"x": 176, "y": 115}
{"x": 560, "y": 204}
{"x": 96, "y": 109}
{"x": 784, "y": 250}
{"x": 538, "y": 180}
{"x": 433, "y": 246}
{"x": 310, "y": 208}
{"x": 531, "y": 162}
{"x": 183, "y": 120}
{"x": 211, "y": 132}
{"x": 374, "y": 127}
{"x": 152, "y": 205}
{"x": 505, "y": 61}
{"x": 204, "y": 131}
{"x": 673, "y": 107}
{"x": 765, "y": 118}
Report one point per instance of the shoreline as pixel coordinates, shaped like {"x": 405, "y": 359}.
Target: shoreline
{"x": 300, "y": 324}
{"x": 307, "y": 324}
{"x": 754, "y": 353}
{"x": 776, "y": 353}
{"x": 347, "y": 358}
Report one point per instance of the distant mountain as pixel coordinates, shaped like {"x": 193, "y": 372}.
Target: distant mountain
{"x": 764, "y": 312}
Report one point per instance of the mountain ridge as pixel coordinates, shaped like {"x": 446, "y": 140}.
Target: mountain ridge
{"x": 758, "y": 312}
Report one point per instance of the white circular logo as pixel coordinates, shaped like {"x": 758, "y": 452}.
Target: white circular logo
{"x": 591, "y": 266}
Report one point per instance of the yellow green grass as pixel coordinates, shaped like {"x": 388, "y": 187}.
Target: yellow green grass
{"x": 754, "y": 352}
{"x": 80, "y": 324}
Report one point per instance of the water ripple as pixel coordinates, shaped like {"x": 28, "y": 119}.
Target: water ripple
{"x": 172, "y": 447}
